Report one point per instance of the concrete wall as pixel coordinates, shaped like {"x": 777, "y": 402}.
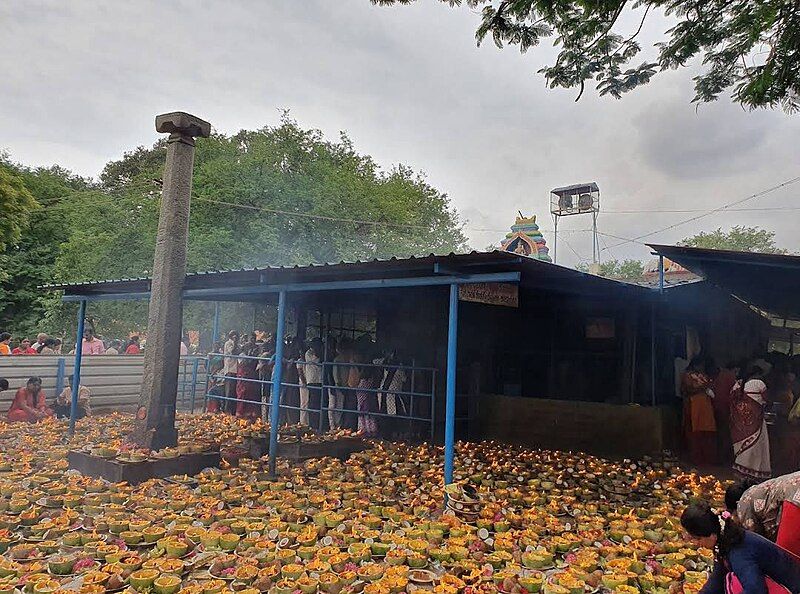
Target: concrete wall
{"x": 114, "y": 380}
{"x": 603, "y": 429}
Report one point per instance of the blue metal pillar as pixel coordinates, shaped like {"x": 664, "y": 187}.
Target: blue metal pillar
{"x": 60, "y": 373}
{"x": 450, "y": 400}
{"x": 76, "y": 371}
{"x": 661, "y": 273}
{"x": 277, "y": 377}
{"x": 653, "y": 353}
{"x": 215, "y": 327}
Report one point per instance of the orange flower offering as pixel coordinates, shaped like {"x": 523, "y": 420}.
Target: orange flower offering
{"x": 515, "y": 521}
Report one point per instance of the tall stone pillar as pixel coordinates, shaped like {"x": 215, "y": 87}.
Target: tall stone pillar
{"x": 155, "y": 417}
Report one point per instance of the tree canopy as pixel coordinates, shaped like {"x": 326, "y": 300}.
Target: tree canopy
{"x": 629, "y": 270}
{"x": 738, "y": 238}
{"x": 750, "y": 48}
{"x": 30, "y": 261}
{"x": 16, "y": 205}
{"x": 280, "y": 195}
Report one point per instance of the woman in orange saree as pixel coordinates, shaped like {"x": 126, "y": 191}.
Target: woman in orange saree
{"x": 699, "y": 426}
{"x": 29, "y": 403}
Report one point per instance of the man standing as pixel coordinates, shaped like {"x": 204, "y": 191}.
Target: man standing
{"x": 341, "y": 376}
{"x": 311, "y": 371}
{"x": 40, "y": 338}
{"x": 230, "y": 349}
{"x": 92, "y": 345}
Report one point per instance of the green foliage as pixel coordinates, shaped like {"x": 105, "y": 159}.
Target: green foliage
{"x": 629, "y": 270}
{"x": 747, "y": 47}
{"x": 738, "y": 238}
{"x": 16, "y": 204}
{"x": 281, "y": 195}
{"x": 29, "y": 262}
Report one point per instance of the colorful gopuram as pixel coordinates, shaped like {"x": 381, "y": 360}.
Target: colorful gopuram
{"x": 526, "y": 239}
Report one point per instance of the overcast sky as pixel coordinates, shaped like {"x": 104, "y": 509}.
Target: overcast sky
{"x": 82, "y": 81}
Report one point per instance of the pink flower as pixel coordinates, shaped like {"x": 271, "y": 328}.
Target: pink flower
{"x": 83, "y": 564}
{"x": 654, "y": 565}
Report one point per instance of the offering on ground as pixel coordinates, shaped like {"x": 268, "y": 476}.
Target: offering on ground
{"x": 515, "y": 521}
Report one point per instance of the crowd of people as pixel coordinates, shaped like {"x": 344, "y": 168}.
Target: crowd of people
{"x": 337, "y": 383}
{"x": 29, "y": 403}
{"x": 90, "y": 345}
{"x": 44, "y": 345}
{"x": 726, "y": 411}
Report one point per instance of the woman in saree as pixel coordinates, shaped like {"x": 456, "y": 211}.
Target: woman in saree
{"x": 248, "y": 396}
{"x": 29, "y": 403}
{"x": 367, "y": 397}
{"x": 748, "y": 427}
{"x": 699, "y": 426}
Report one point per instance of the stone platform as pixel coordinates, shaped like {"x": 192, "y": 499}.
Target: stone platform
{"x": 138, "y": 472}
{"x": 339, "y": 448}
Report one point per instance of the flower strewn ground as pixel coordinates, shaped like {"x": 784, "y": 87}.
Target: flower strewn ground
{"x": 516, "y": 521}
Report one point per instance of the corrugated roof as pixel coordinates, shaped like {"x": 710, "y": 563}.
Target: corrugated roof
{"x": 585, "y": 187}
{"x": 310, "y": 266}
{"x": 534, "y": 272}
{"x": 770, "y": 282}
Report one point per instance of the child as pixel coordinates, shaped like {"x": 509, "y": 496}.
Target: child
{"x": 64, "y": 402}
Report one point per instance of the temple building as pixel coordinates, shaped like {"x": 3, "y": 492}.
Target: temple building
{"x": 526, "y": 239}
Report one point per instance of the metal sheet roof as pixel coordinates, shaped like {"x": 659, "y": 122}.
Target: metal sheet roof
{"x": 770, "y": 282}
{"x": 534, "y": 273}
{"x": 574, "y": 188}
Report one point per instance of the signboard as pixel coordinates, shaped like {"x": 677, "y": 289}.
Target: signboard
{"x": 504, "y": 294}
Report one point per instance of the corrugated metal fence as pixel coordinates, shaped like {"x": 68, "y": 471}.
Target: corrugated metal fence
{"x": 115, "y": 380}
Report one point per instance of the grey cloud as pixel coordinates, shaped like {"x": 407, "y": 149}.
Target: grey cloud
{"x": 679, "y": 142}
{"x": 84, "y": 79}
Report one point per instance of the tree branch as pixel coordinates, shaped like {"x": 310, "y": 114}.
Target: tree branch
{"x": 635, "y": 35}
{"x": 583, "y": 86}
{"x": 493, "y": 22}
{"x": 608, "y": 28}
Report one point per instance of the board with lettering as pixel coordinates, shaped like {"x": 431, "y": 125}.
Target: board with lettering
{"x": 504, "y": 294}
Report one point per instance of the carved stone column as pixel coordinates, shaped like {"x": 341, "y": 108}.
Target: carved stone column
{"x": 155, "y": 417}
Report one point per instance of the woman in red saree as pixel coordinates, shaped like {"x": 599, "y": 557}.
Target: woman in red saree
{"x": 699, "y": 426}
{"x": 248, "y": 393}
{"x": 749, "y": 429}
{"x": 29, "y": 403}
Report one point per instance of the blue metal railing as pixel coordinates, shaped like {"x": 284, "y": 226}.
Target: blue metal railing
{"x": 410, "y": 397}
{"x": 191, "y": 367}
